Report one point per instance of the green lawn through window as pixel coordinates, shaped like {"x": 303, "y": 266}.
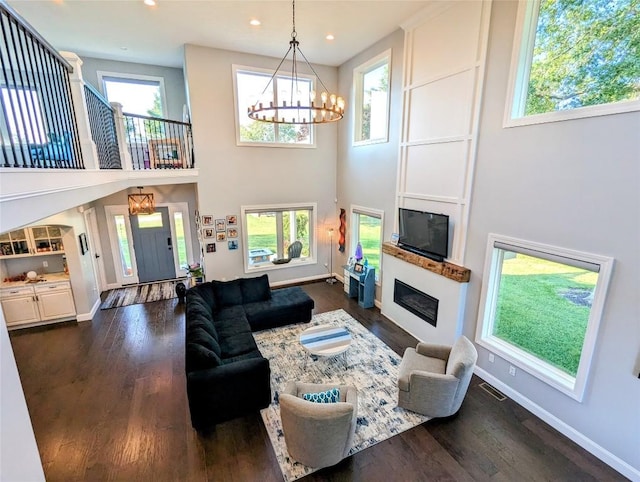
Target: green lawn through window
{"x": 543, "y": 308}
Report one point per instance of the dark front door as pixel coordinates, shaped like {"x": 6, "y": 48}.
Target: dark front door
{"x": 153, "y": 245}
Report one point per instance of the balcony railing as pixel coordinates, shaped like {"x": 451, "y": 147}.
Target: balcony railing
{"x": 103, "y": 129}
{"x": 52, "y": 119}
{"x": 158, "y": 143}
{"x": 38, "y": 124}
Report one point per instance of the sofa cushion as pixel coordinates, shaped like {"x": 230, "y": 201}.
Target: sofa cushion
{"x": 238, "y": 344}
{"x": 328, "y": 396}
{"x": 202, "y": 295}
{"x": 255, "y": 289}
{"x": 204, "y": 324}
{"x": 286, "y": 306}
{"x": 199, "y": 336}
{"x": 229, "y": 313}
{"x": 232, "y": 326}
{"x": 228, "y": 293}
{"x": 199, "y": 357}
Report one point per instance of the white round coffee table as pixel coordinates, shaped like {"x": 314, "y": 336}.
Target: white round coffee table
{"x": 326, "y": 341}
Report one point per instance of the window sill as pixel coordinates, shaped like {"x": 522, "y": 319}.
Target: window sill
{"x": 579, "y": 113}
{"x": 534, "y": 366}
{"x": 269, "y": 266}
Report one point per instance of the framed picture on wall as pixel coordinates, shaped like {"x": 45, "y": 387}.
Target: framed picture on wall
{"x": 233, "y": 244}
{"x": 209, "y": 233}
{"x": 211, "y": 247}
{"x": 207, "y": 220}
{"x": 232, "y": 219}
{"x": 221, "y": 225}
{"x": 84, "y": 246}
{"x": 221, "y": 236}
{"x": 232, "y": 233}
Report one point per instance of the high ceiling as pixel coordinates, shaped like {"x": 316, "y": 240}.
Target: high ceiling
{"x": 131, "y": 31}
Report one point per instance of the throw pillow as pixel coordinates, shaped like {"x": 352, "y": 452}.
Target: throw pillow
{"x": 228, "y": 293}
{"x": 255, "y": 289}
{"x": 330, "y": 396}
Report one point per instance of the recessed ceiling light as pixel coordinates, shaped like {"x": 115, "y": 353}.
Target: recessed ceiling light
{"x": 151, "y": 3}
{"x": 330, "y": 37}
{"x": 255, "y": 22}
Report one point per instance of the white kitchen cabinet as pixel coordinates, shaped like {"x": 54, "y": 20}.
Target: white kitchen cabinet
{"x": 34, "y": 304}
{"x": 19, "y": 306}
{"x": 38, "y": 240}
{"x": 55, "y": 301}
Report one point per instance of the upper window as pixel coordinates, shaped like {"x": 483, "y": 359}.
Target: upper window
{"x": 367, "y": 230}
{"x": 284, "y": 234}
{"x": 371, "y": 84}
{"x": 23, "y": 116}
{"x": 542, "y": 308}
{"x": 574, "y": 59}
{"x": 250, "y": 85}
{"x": 138, "y": 94}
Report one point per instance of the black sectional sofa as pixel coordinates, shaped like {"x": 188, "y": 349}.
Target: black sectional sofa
{"x": 227, "y": 376}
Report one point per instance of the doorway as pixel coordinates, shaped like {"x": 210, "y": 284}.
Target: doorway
{"x": 153, "y": 245}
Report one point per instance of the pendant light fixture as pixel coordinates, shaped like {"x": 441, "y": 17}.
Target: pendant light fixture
{"x": 141, "y": 203}
{"x": 300, "y": 107}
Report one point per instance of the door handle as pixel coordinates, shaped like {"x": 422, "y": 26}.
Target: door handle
{"x": 169, "y": 242}
{"x": 97, "y": 255}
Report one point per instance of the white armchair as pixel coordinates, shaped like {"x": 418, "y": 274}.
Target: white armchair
{"x": 433, "y": 379}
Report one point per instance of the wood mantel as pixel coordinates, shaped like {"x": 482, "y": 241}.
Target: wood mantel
{"x": 446, "y": 269}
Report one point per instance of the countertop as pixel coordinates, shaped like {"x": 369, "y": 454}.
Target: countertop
{"x": 44, "y": 279}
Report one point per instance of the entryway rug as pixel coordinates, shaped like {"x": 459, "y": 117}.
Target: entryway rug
{"x": 144, "y": 293}
{"x": 372, "y": 367}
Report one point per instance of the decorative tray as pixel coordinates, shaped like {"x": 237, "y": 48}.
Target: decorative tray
{"x": 281, "y": 261}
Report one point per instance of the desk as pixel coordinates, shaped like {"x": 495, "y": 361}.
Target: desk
{"x": 360, "y": 285}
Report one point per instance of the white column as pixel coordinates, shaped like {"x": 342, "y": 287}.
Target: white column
{"x": 121, "y": 133}
{"x": 88, "y": 147}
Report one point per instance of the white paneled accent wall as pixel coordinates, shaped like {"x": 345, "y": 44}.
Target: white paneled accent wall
{"x": 444, "y": 57}
{"x": 444, "y": 68}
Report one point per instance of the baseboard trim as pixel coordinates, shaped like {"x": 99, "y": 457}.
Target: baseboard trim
{"x": 586, "y": 443}
{"x": 89, "y": 316}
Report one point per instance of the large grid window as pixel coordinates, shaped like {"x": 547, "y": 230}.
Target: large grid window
{"x": 574, "y": 59}
{"x": 542, "y": 308}
{"x": 138, "y": 94}
{"x": 371, "y": 84}
{"x": 249, "y": 87}
{"x": 277, "y": 236}
{"x": 367, "y": 229}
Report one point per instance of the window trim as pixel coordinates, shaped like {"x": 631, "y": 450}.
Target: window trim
{"x": 313, "y": 235}
{"x": 235, "y": 68}
{"x": 355, "y": 210}
{"x": 132, "y": 78}
{"x": 358, "y": 93}
{"x": 521, "y": 56}
{"x": 552, "y": 376}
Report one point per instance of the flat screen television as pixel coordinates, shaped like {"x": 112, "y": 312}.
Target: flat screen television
{"x": 424, "y": 233}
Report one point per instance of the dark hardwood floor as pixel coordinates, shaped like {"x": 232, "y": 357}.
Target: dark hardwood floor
{"x": 107, "y": 401}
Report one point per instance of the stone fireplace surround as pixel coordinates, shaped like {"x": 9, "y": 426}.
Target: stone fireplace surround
{"x": 445, "y": 281}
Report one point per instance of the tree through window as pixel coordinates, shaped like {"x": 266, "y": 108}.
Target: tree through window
{"x": 577, "y": 54}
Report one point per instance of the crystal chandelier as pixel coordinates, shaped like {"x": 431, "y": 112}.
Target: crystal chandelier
{"x": 298, "y": 109}
{"x": 141, "y": 203}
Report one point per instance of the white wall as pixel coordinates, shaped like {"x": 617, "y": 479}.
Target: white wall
{"x": 573, "y": 184}
{"x": 237, "y": 176}
{"x": 18, "y": 450}
{"x": 174, "y": 86}
{"x": 367, "y": 174}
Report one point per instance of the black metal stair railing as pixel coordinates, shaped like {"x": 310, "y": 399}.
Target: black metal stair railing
{"x": 38, "y": 126}
{"x": 103, "y": 129}
{"x": 156, "y": 143}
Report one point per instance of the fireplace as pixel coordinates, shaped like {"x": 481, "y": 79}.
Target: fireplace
{"x": 417, "y": 302}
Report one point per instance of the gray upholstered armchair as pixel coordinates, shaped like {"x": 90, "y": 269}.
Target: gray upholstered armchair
{"x": 318, "y": 434}
{"x": 434, "y": 379}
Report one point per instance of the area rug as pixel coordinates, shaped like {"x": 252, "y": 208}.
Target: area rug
{"x": 372, "y": 367}
{"x": 145, "y": 293}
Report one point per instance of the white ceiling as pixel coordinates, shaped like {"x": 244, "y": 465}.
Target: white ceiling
{"x": 130, "y": 31}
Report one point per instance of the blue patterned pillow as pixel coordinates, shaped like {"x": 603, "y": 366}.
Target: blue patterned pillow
{"x": 330, "y": 396}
